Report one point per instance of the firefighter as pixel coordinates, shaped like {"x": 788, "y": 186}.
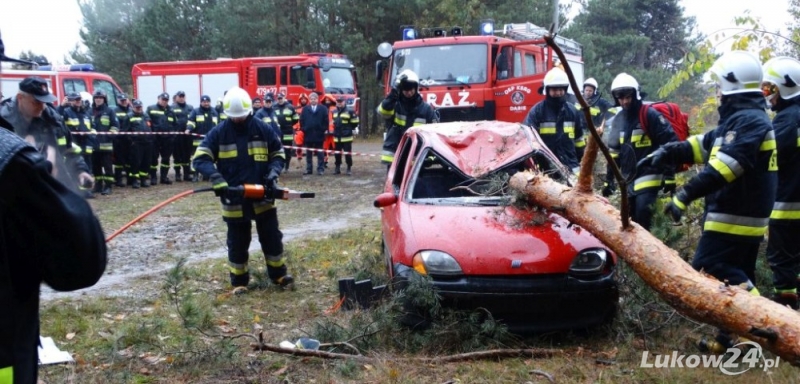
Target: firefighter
{"x": 183, "y": 143}
{"x": 739, "y": 180}
{"x": 220, "y": 110}
{"x": 345, "y": 122}
{"x": 314, "y": 123}
{"x": 404, "y": 108}
{"x": 122, "y": 143}
{"x": 76, "y": 119}
{"x": 600, "y": 109}
{"x": 298, "y": 133}
{"x": 629, "y": 143}
{"x": 557, "y": 121}
{"x": 30, "y": 117}
{"x": 257, "y": 104}
{"x": 162, "y": 120}
{"x": 141, "y": 146}
{"x": 287, "y": 117}
{"x": 201, "y": 121}
{"x": 104, "y": 120}
{"x": 267, "y": 115}
{"x": 782, "y": 89}
{"x": 240, "y": 150}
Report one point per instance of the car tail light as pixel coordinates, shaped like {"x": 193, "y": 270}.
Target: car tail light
{"x": 589, "y": 262}
{"x": 436, "y": 263}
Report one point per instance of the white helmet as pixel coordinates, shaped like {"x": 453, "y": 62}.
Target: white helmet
{"x": 590, "y": 81}
{"x": 407, "y": 79}
{"x": 623, "y": 81}
{"x": 556, "y": 77}
{"x": 737, "y": 72}
{"x": 784, "y": 72}
{"x": 237, "y": 103}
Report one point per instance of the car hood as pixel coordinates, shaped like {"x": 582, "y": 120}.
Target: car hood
{"x": 499, "y": 240}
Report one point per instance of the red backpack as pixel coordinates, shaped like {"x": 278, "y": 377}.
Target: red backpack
{"x": 676, "y": 118}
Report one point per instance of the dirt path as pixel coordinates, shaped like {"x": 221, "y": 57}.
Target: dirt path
{"x": 192, "y": 227}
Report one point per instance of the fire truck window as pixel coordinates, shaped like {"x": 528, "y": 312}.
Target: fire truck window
{"x": 530, "y": 64}
{"x": 74, "y": 85}
{"x": 283, "y": 76}
{"x": 266, "y": 76}
{"x": 106, "y": 87}
{"x": 517, "y": 64}
{"x": 503, "y": 63}
{"x": 297, "y": 76}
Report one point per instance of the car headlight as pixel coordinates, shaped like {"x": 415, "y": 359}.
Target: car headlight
{"x": 589, "y": 262}
{"x": 436, "y": 263}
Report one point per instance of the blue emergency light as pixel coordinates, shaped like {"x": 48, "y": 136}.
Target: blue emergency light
{"x": 409, "y": 33}
{"x": 487, "y": 27}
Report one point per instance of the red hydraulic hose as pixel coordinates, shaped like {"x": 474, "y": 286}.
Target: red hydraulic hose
{"x": 156, "y": 208}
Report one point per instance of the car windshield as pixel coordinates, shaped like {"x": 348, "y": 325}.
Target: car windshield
{"x": 338, "y": 80}
{"x": 444, "y": 64}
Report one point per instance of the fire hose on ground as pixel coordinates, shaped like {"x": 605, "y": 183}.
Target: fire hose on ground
{"x": 255, "y": 192}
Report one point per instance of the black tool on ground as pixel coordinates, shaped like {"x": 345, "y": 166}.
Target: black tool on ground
{"x": 360, "y": 294}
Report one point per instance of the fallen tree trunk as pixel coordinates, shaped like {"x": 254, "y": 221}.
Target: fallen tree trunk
{"x": 692, "y": 293}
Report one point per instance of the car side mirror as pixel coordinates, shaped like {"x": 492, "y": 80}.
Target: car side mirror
{"x": 384, "y": 200}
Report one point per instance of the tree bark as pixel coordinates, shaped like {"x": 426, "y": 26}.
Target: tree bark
{"x": 692, "y": 293}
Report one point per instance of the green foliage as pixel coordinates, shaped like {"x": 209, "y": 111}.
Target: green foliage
{"x": 30, "y": 56}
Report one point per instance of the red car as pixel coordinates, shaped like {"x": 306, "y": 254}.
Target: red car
{"x": 447, "y": 213}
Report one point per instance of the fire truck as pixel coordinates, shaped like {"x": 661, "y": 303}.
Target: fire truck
{"x": 325, "y": 73}
{"x": 483, "y": 77}
{"x": 62, "y": 80}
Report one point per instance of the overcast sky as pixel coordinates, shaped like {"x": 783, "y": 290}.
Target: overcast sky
{"x": 50, "y": 27}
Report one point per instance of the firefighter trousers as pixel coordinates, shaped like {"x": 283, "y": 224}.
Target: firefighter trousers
{"x": 734, "y": 261}
{"x": 642, "y": 205}
{"x": 271, "y": 239}
{"x": 346, "y": 147}
{"x": 783, "y": 254}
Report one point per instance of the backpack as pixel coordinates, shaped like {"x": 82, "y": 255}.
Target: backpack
{"x": 678, "y": 120}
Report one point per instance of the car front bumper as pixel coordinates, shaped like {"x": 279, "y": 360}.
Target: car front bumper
{"x": 530, "y": 303}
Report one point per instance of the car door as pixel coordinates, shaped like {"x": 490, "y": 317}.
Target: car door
{"x": 396, "y": 183}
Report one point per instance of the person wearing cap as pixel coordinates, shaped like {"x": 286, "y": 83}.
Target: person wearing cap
{"x": 267, "y": 115}
{"x": 162, "y": 121}
{"x": 201, "y": 121}
{"x": 30, "y": 117}
{"x": 183, "y": 143}
{"x": 345, "y": 121}
{"x": 287, "y": 118}
{"x": 257, "y": 104}
{"x": 122, "y": 143}
{"x": 314, "y": 123}
{"x": 141, "y": 151}
{"x": 104, "y": 120}
{"x": 78, "y": 120}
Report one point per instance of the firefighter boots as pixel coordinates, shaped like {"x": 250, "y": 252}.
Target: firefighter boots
{"x": 284, "y": 281}
{"x": 118, "y": 178}
{"x": 135, "y": 184}
{"x": 348, "y": 171}
{"x": 337, "y": 170}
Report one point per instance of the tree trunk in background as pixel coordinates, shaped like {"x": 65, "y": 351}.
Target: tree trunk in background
{"x": 692, "y": 293}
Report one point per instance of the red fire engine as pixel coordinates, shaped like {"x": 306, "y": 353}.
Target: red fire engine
{"x": 292, "y": 75}
{"x": 485, "y": 77}
{"x": 62, "y": 80}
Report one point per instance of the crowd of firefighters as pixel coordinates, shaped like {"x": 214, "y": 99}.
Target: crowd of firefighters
{"x": 132, "y": 144}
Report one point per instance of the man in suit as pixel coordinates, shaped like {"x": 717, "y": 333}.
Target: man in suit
{"x": 314, "y": 122}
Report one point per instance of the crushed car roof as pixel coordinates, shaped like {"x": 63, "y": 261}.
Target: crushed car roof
{"x": 478, "y": 147}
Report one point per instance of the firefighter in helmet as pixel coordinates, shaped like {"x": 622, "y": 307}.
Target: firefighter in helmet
{"x": 404, "y": 108}
{"x": 739, "y": 180}
{"x": 244, "y": 150}
{"x": 557, "y": 121}
{"x": 104, "y": 120}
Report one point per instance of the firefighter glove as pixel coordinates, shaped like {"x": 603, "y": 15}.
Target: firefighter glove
{"x": 219, "y": 184}
{"x": 677, "y": 206}
{"x": 668, "y": 185}
{"x": 608, "y": 189}
{"x": 272, "y": 176}
{"x": 393, "y": 95}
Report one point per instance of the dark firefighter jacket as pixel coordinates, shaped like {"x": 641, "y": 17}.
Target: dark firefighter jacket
{"x": 201, "y": 121}
{"x": 739, "y": 180}
{"x": 787, "y": 134}
{"x": 267, "y": 115}
{"x": 161, "y": 119}
{"x": 181, "y": 112}
{"x": 402, "y": 115}
{"x": 243, "y": 154}
{"x": 139, "y": 123}
{"x": 561, "y": 129}
{"x": 49, "y": 234}
{"x": 287, "y": 118}
{"x": 599, "y": 108}
{"x": 49, "y": 132}
{"x": 79, "y": 120}
{"x": 345, "y": 122}
{"x": 628, "y": 143}
{"x": 104, "y": 120}
{"x": 314, "y": 124}
{"x": 123, "y": 113}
